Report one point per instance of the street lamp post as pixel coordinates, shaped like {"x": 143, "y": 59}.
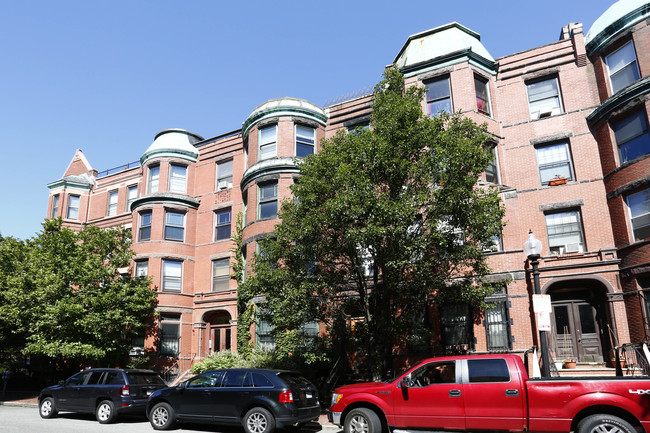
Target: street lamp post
{"x": 533, "y": 250}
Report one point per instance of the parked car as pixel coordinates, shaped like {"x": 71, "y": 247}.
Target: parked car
{"x": 492, "y": 392}
{"x": 260, "y": 400}
{"x": 106, "y": 392}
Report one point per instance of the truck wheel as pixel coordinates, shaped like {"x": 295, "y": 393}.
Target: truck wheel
{"x": 47, "y": 408}
{"x": 602, "y": 423}
{"x": 362, "y": 420}
{"x": 105, "y": 412}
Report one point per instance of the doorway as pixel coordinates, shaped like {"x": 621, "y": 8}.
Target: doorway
{"x": 577, "y": 331}
{"x": 219, "y": 331}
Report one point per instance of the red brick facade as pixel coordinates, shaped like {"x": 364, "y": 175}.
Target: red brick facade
{"x": 548, "y": 108}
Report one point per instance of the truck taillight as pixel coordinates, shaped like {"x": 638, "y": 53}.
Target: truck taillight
{"x": 125, "y": 390}
{"x": 286, "y": 397}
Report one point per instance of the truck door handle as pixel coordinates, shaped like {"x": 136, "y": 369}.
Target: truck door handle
{"x": 454, "y": 393}
{"x": 512, "y": 392}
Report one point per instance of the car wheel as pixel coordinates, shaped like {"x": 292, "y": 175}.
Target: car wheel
{"x": 602, "y": 423}
{"x": 162, "y": 416}
{"x": 362, "y": 420}
{"x": 105, "y": 412}
{"x": 259, "y": 420}
{"x": 47, "y": 408}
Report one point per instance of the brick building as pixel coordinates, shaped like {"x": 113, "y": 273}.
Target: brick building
{"x": 572, "y": 161}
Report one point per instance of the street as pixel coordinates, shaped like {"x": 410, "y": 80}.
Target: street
{"x": 15, "y": 419}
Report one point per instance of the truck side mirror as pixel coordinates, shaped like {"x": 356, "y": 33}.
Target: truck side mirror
{"x": 406, "y": 381}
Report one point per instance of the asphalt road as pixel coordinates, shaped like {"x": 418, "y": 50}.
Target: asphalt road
{"x": 16, "y": 419}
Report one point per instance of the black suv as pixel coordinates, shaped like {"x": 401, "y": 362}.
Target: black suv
{"x": 106, "y": 392}
{"x": 260, "y": 400}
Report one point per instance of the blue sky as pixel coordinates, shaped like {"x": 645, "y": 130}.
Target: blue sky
{"x": 106, "y": 76}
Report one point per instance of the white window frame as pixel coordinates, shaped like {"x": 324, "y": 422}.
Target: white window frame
{"x": 551, "y": 106}
{"x": 172, "y": 275}
{"x": 544, "y": 152}
{"x": 178, "y": 178}
{"x": 131, "y": 195}
{"x": 268, "y": 143}
{"x": 265, "y": 200}
{"x": 628, "y": 63}
{"x": 141, "y": 268}
{"x": 171, "y": 224}
{"x": 564, "y": 218}
{"x": 144, "y": 226}
{"x": 641, "y": 215}
{"x": 221, "y": 280}
{"x": 222, "y": 219}
{"x": 153, "y": 181}
{"x": 303, "y": 140}
{"x": 111, "y": 205}
{"x": 74, "y": 203}
{"x": 224, "y": 175}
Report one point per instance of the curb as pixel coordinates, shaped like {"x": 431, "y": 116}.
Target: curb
{"x": 19, "y": 404}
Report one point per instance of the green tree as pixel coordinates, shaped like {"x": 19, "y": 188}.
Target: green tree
{"x": 69, "y": 301}
{"x": 383, "y": 222}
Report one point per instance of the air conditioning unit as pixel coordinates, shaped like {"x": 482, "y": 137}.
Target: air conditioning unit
{"x": 548, "y": 111}
{"x": 573, "y": 248}
{"x": 223, "y": 184}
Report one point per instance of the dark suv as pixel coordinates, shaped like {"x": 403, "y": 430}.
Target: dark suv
{"x": 260, "y": 400}
{"x": 106, "y": 392}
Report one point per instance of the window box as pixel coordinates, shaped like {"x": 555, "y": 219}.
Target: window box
{"x": 557, "y": 181}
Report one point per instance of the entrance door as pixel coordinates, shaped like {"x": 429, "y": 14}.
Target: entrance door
{"x": 577, "y": 331}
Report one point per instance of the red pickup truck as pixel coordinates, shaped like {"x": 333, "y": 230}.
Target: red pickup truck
{"x": 492, "y": 392}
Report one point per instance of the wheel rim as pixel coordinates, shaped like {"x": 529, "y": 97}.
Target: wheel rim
{"x": 257, "y": 422}
{"x": 46, "y": 407}
{"x": 159, "y": 417}
{"x": 358, "y": 424}
{"x": 103, "y": 412}
{"x": 607, "y": 428}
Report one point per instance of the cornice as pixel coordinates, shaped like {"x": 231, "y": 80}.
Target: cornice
{"x": 620, "y": 99}
{"x": 269, "y": 166}
{"x": 166, "y": 198}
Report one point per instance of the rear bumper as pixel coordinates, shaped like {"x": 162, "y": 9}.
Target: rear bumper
{"x": 304, "y": 414}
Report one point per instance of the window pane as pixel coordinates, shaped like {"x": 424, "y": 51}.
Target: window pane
{"x": 554, "y": 161}
{"x": 542, "y": 90}
{"x": 141, "y": 268}
{"x": 154, "y": 175}
{"x": 224, "y": 175}
{"x": 268, "y": 191}
{"x": 543, "y": 96}
{"x": 73, "y": 207}
{"x": 438, "y": 96}
{"x": 177, "y": 178}
{"x": 564, "y": 232}
{"x": 172, "y": 275}
{"x": 488, "y": 370}
{"x": 639, "y": 205}
{"x": 268, "y": 210}
{"x": 623, "y": 69}
{"x": 267, "y": 142}
{"x": 625, "y": 77}
{"x": 220, "y": 275}
{"x": 482, "y": 99}
{"x": 632, "y": 136}
{"x": 131, "y": 194}
{"x": 112, "y": 203}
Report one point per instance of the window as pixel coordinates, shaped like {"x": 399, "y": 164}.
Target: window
{"x": 309, "y": 332}
{"x": 632, "y": 138}
{"x": 178, "y": 178}
{"x": 73, "y": 207}
{"x": 268, "y": 142}
{"x": 264, "y": 338}
{"x": 456, "y": 326}
{"x": 111, "y": 208}
{"x": 492, "y": 171}
{"x": 224, "y": 175}
{"x": 131, "y": 195}
{"x": 305, "y": 141}
{"x": 482, "y": 96}
{"x": 222, "y": 226}
{"x": 174, "y": 226}
{"x": 55, "y": 206}
{"x": 172, "y": 273}
{"x": 141, "y": 268}
{"x": 622, "y": 67}
{"x": 434, "y": 373}
{"x": 544, "y": 98}
{"x": 220, "y": 275}
{"x": 497, "y": 323}
{"x": 154, "y": 177}
{"x": 268, "y": 200}
{"x": 554, "y": 161}
{"x": 145, "y": 226}
{"x": 438, "y": 96}
{"x": 564, "y": 231}
{"x": 639, "y": 205}
{"x": 488, "y": 370}
{"x": 493, "y": 245}
{"x": 170, "y": 325}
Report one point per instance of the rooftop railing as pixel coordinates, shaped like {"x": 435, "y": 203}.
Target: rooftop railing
{"x": 118, "y": 169}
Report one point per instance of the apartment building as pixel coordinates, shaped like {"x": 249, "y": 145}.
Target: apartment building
{"x": 571, "y": 160}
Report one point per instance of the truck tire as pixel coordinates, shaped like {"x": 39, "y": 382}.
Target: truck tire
{"x": 362, "y": 420}
{"x": 603, "y": 423}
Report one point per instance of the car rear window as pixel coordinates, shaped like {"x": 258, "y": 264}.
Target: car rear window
{"x": 488, "y": 370}
{"x": 145, "y": 379}
{"x": 114, "y": 378}
{"x": 261, "y": 381}
{"x": 294, "y": 379}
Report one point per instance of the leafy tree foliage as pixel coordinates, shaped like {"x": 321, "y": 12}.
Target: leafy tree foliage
{"x": 383, "y": 222}
{"x": 64, "y": 298}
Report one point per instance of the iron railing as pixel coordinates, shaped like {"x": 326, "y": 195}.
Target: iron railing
{"x": 118, "y": 169}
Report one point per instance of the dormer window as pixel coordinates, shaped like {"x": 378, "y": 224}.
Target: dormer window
{"x": 482, "y": 96}
{"x": 438, "y": 96}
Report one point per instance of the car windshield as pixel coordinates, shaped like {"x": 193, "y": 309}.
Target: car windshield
{"x": 145, "y": 379}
